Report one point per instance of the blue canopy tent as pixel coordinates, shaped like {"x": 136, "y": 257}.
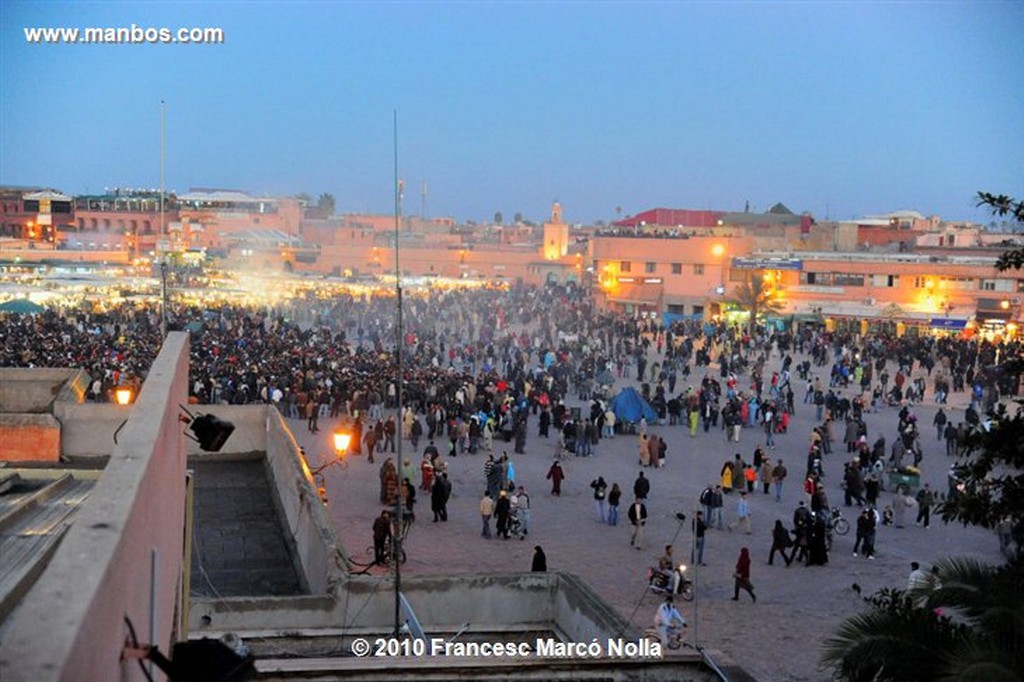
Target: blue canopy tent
{"x": 629, "y": 406}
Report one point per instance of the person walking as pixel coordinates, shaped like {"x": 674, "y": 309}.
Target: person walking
{"x": 486, "y": 511}
{"x": 540, "y": 560}
{"x": 781, "y": 541}
{"x": 439, "y": 498}
{"x": 502, "y": 511}
{"x": 614, "y": 496}
{"x": 925, "y": 499}
{"x": 523, "y": 510}
{"x": 556, "y": 476}
{"x": 865, "y": 533}
{"x": 600, "y": 491}
{"x": 699, "y": 529}
{"x": 642, "y": 487}
{"x": 638, "y": 518}
{"x": 741, "y": 577}
{"x": 717, "y": 506}
{"x": 742, "y": 514}
{"x": 381, "y": 535}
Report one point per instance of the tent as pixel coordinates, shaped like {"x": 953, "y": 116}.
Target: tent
{"x": 22, "y": 306}
{"x": 629, "y": 406}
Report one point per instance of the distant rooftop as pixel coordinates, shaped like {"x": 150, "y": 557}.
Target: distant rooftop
{"x": 227, "y": 196}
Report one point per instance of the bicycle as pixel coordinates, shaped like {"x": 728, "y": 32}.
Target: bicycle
{"x": 840, "y": 526}
{"x": 387, "y": 556}
{"x": 675, "y": 637}
{"x": 402, "y": 530}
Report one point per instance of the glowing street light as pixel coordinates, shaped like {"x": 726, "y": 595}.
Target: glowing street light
{"x": 342, "y": 440}
{"x": 123, "y": 396}
{"x": 718, "y": 250}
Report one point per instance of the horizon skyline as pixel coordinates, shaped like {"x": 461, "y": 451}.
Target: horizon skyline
{"x": 842, "y": 110}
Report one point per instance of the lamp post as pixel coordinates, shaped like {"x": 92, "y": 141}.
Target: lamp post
{"x": 123, "y": 395}
{"x": 163, "y": 299}
{"x": 396, "y": 539}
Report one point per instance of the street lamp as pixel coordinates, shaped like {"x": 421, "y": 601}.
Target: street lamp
{"x": 123, "y": 395}
{"x": 718, "y": 251}
{"x": 341, "y": 442}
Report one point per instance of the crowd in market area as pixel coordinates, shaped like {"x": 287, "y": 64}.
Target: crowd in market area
{"x": 479, "y": 366}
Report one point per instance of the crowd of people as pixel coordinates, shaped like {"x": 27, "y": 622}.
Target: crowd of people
{"x": 477, "y": 367}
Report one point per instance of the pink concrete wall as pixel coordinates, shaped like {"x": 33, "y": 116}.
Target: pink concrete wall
{"x": 29, "y": 438}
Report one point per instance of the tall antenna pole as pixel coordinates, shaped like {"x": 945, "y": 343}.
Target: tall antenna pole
{"x": 163, "y": 183}
{"x": 396, "y": 536}
{"x": 423, "y": 200}
{"x": 163, "y": 162}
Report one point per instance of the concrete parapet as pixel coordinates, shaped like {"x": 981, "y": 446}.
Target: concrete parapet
{"x": 324, "y": 562}
{"x": 71, "y": 624}
{"x": 32, "y": 390}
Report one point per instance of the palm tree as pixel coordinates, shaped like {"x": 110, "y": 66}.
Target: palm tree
{"x": 967, "y": 625}
{"x": 754, "y": 297}
{"x": 325, "y": 202}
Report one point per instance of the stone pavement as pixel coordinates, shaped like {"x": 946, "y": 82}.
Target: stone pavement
{"x": 777, "y": 638}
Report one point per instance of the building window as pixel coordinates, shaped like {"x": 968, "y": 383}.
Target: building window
{"x": 677, "y": 268}
{"x": 698, "y": 268}
{"x": 998, "y": 285}
{"x": 625, "y": 266}
{"x": 698, "y": 310}
{"x": 959, "y": 283}
{"x": 650, "y": 267}
{"x": 675, "y": 308}
{"x": 885, "y": 280}
{"x": 847, "y": 280}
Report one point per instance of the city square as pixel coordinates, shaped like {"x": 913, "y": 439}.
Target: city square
{"x": 440, "y": 341}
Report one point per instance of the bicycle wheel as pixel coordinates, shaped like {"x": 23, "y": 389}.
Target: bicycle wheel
{"x": 842, "y": 526}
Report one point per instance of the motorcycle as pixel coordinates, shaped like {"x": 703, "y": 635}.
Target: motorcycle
{"x": 660, "y": 582}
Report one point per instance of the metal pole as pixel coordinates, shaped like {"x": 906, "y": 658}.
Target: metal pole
{"x": 396, "y": 537}
{"x": 163, "y": 299}
{"x": 163, "y": 162}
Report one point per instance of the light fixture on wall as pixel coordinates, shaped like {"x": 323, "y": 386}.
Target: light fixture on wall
{"x": 210, "y": 432}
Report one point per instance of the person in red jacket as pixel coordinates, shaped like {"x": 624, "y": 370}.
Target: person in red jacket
{"x": 742, "y": 576}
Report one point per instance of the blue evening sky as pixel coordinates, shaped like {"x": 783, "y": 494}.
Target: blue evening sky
{"x": 840, "y": 108}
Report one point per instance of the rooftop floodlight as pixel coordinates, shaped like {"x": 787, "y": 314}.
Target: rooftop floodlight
{"x": 209, "y": 431}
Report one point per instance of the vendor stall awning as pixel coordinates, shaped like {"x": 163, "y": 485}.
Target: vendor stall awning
{"x": 946, "y": 323}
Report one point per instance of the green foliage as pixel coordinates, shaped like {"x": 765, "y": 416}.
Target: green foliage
{"x": 755, "y": 298}
{"x": 325, "y": 202}
{"x": 893, "y": 640}
{"x": 1003, "y": 205}
{"x": 968, "y": 624}
{"x": 991, "y": 472}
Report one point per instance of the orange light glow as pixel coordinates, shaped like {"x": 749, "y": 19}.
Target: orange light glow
{"x": 341, "y": 442}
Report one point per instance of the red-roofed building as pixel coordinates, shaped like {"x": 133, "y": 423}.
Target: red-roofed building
{"x": 671, "y": 217}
